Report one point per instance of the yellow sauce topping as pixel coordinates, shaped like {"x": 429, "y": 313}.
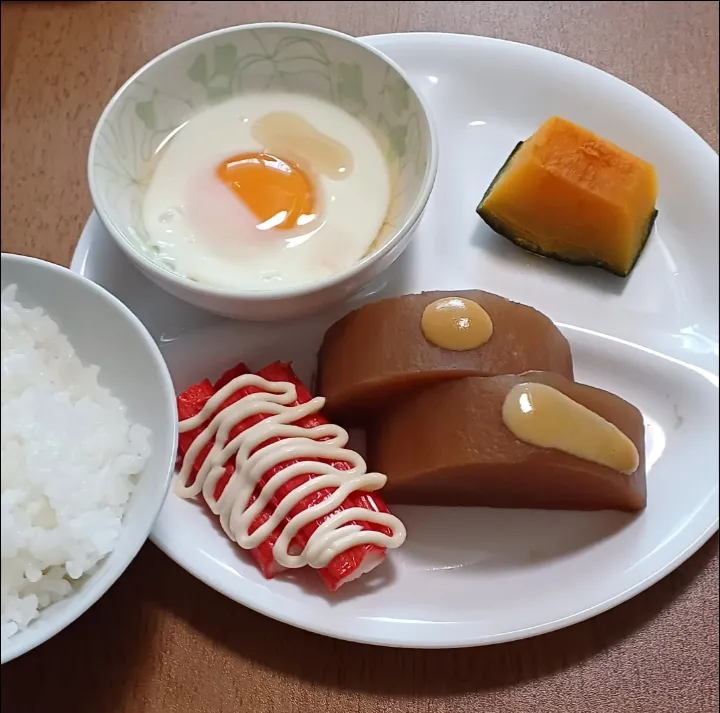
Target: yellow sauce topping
{"x": 292, "y": 137}
{"x": 456, "y": 324}
{"x": 545, "y": 417}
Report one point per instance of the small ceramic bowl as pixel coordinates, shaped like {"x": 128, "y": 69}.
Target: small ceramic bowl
{"x": 106, "y": 333}
{"x": 211, "y": 68}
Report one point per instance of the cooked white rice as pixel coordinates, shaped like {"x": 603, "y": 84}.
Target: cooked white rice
{"x": 69, "y": 457}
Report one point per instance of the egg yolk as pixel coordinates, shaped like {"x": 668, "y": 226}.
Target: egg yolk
{"x": 277, "y": 192}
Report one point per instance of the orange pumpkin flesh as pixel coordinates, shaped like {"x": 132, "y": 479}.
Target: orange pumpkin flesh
{"x": 568, "y": 194}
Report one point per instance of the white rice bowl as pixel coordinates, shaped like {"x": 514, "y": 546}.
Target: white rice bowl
{"x": 70, "y": 460}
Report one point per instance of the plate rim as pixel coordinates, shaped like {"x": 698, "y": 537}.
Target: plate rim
{"x": 454, "y": 642}
{"x": 451, "y": 640}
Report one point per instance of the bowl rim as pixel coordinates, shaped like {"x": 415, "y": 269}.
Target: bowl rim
{"x": 98, "y": 583}
{"x": 184, "y": 283}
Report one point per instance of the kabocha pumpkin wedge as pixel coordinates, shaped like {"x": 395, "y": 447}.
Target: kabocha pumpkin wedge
{"x": 534, "y": 440}
{"x": 568, "y": 194}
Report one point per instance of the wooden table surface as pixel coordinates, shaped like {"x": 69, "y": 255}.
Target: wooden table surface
{"x": 160, "y": 641}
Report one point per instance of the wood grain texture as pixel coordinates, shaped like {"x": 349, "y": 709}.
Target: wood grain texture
{"x": 162, "y": 642}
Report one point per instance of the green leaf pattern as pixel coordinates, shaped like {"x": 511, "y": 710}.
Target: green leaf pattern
{"x": 146, "y": 113}
{"x": 225, "y": 59}
{"x": 398, "y": 140}
{"x": 198, "y": 71}
{"x": 399, "y": 93}
{"x": 349, "y": 88}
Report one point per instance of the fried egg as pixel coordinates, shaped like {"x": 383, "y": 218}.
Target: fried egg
{"x": 266, "y": 191}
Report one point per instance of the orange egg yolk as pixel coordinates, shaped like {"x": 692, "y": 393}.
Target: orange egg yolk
{"x": 277, "y": 192}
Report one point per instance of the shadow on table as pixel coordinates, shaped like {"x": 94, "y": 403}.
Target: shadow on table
{"x": 117, "y": 647}
{"x": 339, "y": 664}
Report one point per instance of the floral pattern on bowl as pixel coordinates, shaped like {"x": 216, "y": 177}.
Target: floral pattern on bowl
{"x": 159, "y": 99}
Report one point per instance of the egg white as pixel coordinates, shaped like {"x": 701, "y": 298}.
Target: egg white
{"x": 205, "y": 232}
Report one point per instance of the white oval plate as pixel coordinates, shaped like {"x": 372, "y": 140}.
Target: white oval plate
{"x": 474, "y": 576}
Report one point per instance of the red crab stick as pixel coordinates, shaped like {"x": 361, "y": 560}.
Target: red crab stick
{"x": 190, "y": 403}
{"x": 357, "y": 560}
{"x": 283, "y": 372}
{"x": 345, "y": 566}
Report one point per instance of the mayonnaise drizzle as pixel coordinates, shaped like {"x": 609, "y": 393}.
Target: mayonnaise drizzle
{"x": 236, "y": 513}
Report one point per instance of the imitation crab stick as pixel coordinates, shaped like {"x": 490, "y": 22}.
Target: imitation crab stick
{"x": 364, "y": 538}
{"x": 190, "y": 403}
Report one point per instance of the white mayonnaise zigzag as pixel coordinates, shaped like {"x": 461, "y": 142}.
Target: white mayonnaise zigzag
{"x": 236, "y": 508}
